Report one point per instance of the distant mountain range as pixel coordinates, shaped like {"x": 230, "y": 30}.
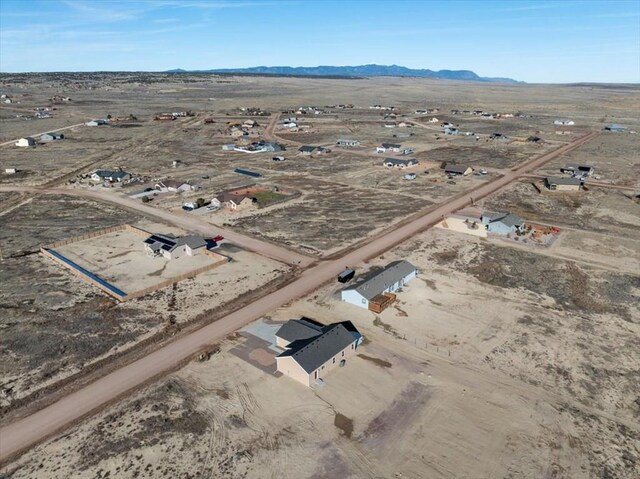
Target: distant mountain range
{"x": 355, "y": 71}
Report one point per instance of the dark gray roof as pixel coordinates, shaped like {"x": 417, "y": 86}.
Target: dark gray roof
{"x": 391, "y": 145}
{"x": 297, "y": 329}
{"x": 169, "y": 242}
{"x": 455, "y": 168}
{"x": 507, "y": 219}
{"x": 110, "y": 174}
{"x": 307, "y": 148}
{"x": 563, "y": 181}
{"x": 391, "y": 274}
{"x": 312, "y": 353}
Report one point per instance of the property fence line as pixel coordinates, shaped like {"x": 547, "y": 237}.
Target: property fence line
{"x": 107, "y": 287}
{"x": 176, "y": 279}
{"x": 89, "y": 277}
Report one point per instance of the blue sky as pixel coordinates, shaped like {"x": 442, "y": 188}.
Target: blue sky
{"x": 533, "y": 41}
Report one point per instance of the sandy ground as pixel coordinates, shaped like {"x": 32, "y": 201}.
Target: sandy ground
{"x": 120, "y": 259}
{"x": 464, "y": 376}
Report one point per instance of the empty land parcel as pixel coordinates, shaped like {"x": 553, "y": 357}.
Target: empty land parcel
{"x": 534, "y": 348}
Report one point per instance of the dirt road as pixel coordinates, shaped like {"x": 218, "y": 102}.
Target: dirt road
{"x": 32, "y": 429}
{"x": 182, "y": 220}
{"x": 12, "y": 142}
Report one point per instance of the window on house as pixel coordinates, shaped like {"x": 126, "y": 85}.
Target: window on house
{"x": 343, "y": 351}
{"x": 364, "y": 301}
{"x": 334, "y": 359}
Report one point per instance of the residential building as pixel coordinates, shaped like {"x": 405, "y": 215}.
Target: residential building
{"x": 434, "y": 120}
{"x": 410, "y": 176}
{"x": 564, "y": 122}
{"x": 376, "y": 293}
{"x": 229, "y": 147}
{"x": 107, "y": 175}
{"x": 173, "y": 186}
{"x": 25, "y": 142}
{"x": 96, "y": 122}
{"x": 578, "y": 170}
{"x": 348, "y": 143}
{"x": 459, "y": 170}
{"x": 615, "y": 128}
{"x": 51, "y": 137}
{"x": 312, "y": 350}
{"x": 313, "y": 150}
{"x": 501, "y": 223}
{"x": 562, "y": 184}
{"x": 393, "y": 147}
{"x": 173, "y": 247}
{"x": 236, "y": 201}
{"x": 451, "y": 131}
{"x": 402, "y": 164}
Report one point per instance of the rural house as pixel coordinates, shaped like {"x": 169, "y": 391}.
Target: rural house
{"x": 348, "y": 143}
{"x": 173, "y": 186}
{"x": 562, "y": 184}
{"x": 376, "y": 293}
{"x": 236, "y": 202}
{"x": 394, "y": 147}
{"x": 458, "y": 170}
{"x": 501, "y": 223}
{"x": 51, "y": 137}
{"x": 564, "y": 122}
{"x": 173, "y": 247}
{"x": 615, "y": 128}
{"x": 96, "y": 122}
{"x": 578, "y": 170}
{"x": 312, "y": 349}
{"x": 395, "y": 163}
{"x": 313, "y": 150}
{"x": 24, "y": 142}
{"x": 107, "y": 175}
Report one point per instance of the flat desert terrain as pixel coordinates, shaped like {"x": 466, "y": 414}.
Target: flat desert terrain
{"x": 504, "y": 358}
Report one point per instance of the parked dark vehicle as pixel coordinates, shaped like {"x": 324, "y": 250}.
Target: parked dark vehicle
{"x": 346, "y": 276}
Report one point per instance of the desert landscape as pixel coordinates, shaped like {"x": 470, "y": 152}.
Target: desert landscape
{"x": 515, "y": 353}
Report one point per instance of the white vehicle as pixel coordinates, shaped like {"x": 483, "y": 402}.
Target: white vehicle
{"x": 410, "y": 176}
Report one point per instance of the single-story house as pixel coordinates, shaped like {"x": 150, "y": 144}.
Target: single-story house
{"x": 434, "y": 120}
{"x": 96, "y": 122}
{"x": 312, "y": 349}
{"x": 229, "y": 147}
{"x": 28, "y": 141}
{"x": 562, "y": 184}
{"x": 616, "y": 128}
{"x": 313, "y": 150}
{"x": 348, "y": 143}
{"x": 501, "y": 223}
{"x": 451, "y": 131}
{"x": 388, "y": 147}
{"x": 290, "y": 124}
{"x": 51, "y": 136}
{"x": 236, "y": 202}
{"x": 463, "y": 170}
{"x": 410, "y": 176}
{"x": 174, "y": 186}
{"x": 173, "y": 247}
{"x": 499, "y": 136}
{"x": 564, "y": 122}
{"x": 403, "y": 135}
{"x": 107, "y": 175}
{"x": 390, "y": 125}
{"x": 373, "y": 293}
{"x": 534, "y": 139}
{"x": 10, "y": 171}
{"x": 249, "y": 124}
{"x": 395, "y": 163}
{"x": 578, "y": 170}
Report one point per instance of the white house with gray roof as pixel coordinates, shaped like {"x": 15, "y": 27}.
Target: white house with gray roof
{"x": 501, "y": 223}
{"x": 312, "y": 350}
{"x": 392, "y": 277}
{"x": 173, "y": 247}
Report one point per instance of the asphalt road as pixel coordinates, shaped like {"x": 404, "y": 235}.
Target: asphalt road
{"x": 28, "y": 431}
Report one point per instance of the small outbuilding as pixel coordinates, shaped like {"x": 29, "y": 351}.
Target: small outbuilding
{"x": 348, "y": 143}
{"x": 615, "y": 128}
